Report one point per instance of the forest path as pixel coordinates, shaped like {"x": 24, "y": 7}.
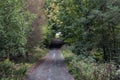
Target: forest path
{"x": 52, "y": 67}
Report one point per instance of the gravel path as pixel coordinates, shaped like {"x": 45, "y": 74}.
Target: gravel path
{"x": 52, "y": 67}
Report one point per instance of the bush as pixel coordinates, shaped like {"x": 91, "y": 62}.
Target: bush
{"x": 16, "y": 70}
{"x": 14, "y": 26}
{"x": 86, "y": 68}
{"x": 11, "y": 71}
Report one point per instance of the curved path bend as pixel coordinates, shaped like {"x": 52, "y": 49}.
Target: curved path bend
{"x": 52, "y": 67}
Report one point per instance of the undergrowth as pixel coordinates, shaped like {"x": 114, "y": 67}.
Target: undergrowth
{"x": 86, "y": 68}
{"x": 16, "y": 70}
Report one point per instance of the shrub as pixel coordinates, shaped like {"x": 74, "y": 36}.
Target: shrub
{"x": 14, "y": 26}
{"x": 85, "y": 68}
{"x": 11, "y": 71}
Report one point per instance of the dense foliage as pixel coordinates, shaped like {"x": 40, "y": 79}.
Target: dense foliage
{"x": 12, "y": 71}
{"x": 93, "y": 27}
{"x": 90, "y": 27}
{"x": 83, "y": 68}
{"x": 15, "y": 23}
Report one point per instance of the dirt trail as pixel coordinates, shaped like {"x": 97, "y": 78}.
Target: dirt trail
{"x": 52, "y": 68}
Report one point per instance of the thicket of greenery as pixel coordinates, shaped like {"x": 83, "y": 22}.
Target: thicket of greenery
{"x": 92, "y": 29}
{"x": 83, "y": 68}
{"x": 12, "y": 71}
{"x": 15, "y": 26}
{"x": 92, "y": 26}
{"x": 15, "y": 23}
